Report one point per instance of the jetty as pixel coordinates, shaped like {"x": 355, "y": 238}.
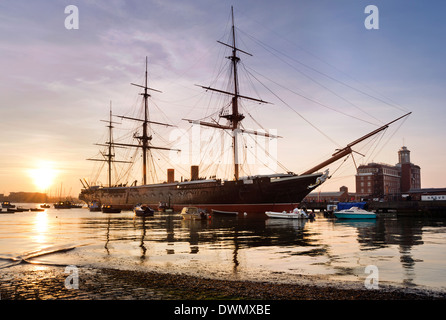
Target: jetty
{"x": 408, "y": 207}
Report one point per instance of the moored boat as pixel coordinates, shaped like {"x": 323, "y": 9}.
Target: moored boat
{"x": 94, "y": 205}
{"x": 194, "y": 213}
{"x": 354, "y": 213}
{"x": 228, "y": 213}
{"x": 108, "y": 208}
{"x": 63, "y": 205}
{"x": 7, "y": 204}
{"x": 295, "y": 214}
{"x": 143, "y": 210}
{"x": 164, "y": 207}
{"x": 18, "y": 209}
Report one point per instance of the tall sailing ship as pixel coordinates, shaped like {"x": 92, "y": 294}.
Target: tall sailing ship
{"x": 250, "y": 194}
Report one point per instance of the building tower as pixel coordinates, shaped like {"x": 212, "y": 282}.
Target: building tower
{"x": 379, "y": 180}
{"x": 403, "y": 155}
{"x": 410, "y": 173}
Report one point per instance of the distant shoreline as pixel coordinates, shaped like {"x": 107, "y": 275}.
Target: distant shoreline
{"x": 34, "y": 197}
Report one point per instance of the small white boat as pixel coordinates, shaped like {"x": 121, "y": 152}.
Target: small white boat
{"x": 295, "y": 214}
{"x": 354, "y": 213}
{"x": 193, "y": 213}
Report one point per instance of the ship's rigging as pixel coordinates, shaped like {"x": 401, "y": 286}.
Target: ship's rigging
{"x": 255, "y": 193}
{"x": 231, "y": 112}
{"x": 145, "y": 138}
{"x": 109, "y": 154}
{"x": 234, "y": 117}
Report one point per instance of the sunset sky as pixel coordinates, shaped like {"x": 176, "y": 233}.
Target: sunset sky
{"x": 317, "y": 56}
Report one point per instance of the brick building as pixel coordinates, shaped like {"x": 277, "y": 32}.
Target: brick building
{"x": 335, "y": 196}
{"x": 384, "y": 181}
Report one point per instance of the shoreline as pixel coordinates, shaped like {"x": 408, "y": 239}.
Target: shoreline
{"x": 43, "y": 282}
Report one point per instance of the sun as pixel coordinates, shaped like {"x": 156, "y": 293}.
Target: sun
{"x": 43, "y": 175}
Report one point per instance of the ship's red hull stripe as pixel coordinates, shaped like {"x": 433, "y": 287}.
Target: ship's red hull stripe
{"x": 240, "y": 208}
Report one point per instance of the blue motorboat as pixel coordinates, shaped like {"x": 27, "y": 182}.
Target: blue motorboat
{"x": 354, "y": 213}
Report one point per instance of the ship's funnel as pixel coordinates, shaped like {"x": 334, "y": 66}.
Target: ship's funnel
{"x": 194, "y": 173}
{"x": 170, "y": 175}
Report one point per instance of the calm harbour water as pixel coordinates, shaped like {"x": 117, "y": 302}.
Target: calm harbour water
{"x": 407, "y": 251}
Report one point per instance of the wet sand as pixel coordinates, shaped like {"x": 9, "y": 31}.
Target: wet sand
{"x": 31, "y": 282}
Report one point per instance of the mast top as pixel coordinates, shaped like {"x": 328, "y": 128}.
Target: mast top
{"x": 145, "y": 87}
{"x": 233, "y": 45}
{"x": 234, "y": 118}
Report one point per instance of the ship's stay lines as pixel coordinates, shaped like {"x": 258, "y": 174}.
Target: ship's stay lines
{"x": 216, "y": 110}
{"x": 282, "y": 57}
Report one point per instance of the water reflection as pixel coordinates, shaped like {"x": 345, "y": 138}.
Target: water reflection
{"x": 41, "y": 227}
{"x": 238, "y": 234}
{"x": 402, "y": 233}
{"x": 406, "y": 250}
{"x": 143, "y": 233}
{"x": 107, "y": 236}
{"x": 202, "y": 237}
{"x": 334, "y": 244}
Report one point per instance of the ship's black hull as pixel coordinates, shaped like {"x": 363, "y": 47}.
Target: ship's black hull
{"x": 254, "y": 195}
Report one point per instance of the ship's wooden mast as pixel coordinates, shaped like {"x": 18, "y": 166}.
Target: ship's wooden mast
{"x": 110, "y": 156}
{"x": 145, "y": 138}
{"x": 235, "y": 117}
